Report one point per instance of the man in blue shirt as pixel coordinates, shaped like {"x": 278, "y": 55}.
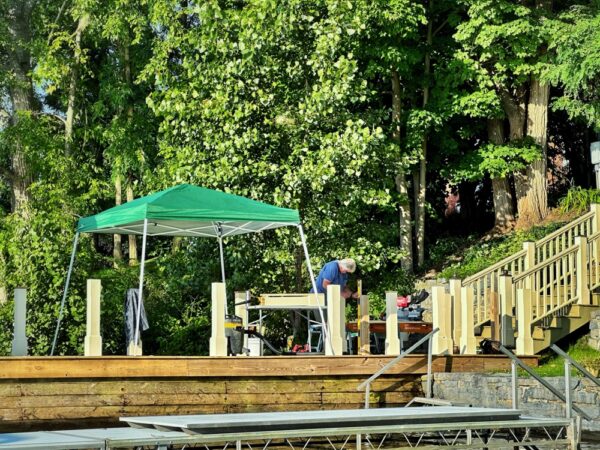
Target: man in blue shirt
{"x": 336, "y": 272}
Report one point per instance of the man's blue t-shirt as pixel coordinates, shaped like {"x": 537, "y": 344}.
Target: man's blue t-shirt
{"x": 331, "y": 272}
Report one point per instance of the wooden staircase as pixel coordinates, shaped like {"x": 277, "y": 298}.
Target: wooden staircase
{"x": 529, "y": 300}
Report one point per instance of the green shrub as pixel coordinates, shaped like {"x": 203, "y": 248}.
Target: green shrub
{"x": 483, "y": 254}
{"x": 578, "y": 200}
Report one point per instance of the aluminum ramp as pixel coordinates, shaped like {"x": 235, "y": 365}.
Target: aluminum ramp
{"x": 419, "y": 427}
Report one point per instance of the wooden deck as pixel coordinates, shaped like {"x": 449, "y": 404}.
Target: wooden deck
{"x": 57, "y": 392}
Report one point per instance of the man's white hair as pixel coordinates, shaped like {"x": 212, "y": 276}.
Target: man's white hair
{"x": 349, "y": 264}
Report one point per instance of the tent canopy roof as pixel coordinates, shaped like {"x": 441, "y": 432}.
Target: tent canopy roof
{"x": 187, "y": 210}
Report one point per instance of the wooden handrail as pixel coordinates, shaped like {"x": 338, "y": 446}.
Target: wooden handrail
{"x": 508, "y": 260}
{"x": 564, "y": 228}
{"x": 545, "y": 264}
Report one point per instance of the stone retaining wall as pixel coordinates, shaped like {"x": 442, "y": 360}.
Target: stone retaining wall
{"x": 534, "y": 399}
{"x": 594, "y": 338}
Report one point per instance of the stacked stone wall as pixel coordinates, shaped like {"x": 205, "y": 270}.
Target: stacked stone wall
{"x": 594, "y": 338}
{"x": 534, "y": 399}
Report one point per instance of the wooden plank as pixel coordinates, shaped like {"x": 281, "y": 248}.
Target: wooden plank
{"x": 359, "y": 397}
{"x": 159, "y": 367}
{"x": 47, "y": 401}
{"x": 70, "y": 412}
{"x": 257, "y": 385}
{"x": 159, "y": 385}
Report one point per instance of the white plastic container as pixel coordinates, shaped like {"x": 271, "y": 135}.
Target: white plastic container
{"x": 254, "y": 346}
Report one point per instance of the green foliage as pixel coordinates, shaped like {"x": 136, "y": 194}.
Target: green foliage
{"x": 497, "y": 161}
{"x": 576, "y": 41}
{"x": 483, "y": 254}
{"x": 578, "y": 200}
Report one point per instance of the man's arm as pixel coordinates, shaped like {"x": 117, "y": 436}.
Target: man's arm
{"x": 326, "y": 283}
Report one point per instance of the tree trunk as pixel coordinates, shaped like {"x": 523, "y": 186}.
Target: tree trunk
{"x": 514, "y": 108}
{"x": 405, "y": 229}
{"x": 81, "y": 25}
{"x": 421, "y": 191}
{"x": 20, "y": 91}
{"x": 117, "y": 250}
{"x": 133, "y": 259}
{"x": 532, "y": 194}
{"x": 503, "y": 208}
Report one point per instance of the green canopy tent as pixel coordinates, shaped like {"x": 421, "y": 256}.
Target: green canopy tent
{"x": 187, "y": 210}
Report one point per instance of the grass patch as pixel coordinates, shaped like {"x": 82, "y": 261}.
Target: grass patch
{"x": 552, "y": 365}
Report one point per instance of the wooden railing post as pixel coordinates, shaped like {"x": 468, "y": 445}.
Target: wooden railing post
{"x": 505, "y": 290}
{"x": 455, "y": 299}
{"x": 581, "y": 274}
{"x": 365, "y": 336}
{"x": 595, "y": 208}
{"x": 467, "y": 338}
{"x": 529, "y": 261}
{"x": 392, "y": 340}
{"x": 524, "y": 319}
{"x": 595, "y": 257}
{"x": 93, "y": 340}
{"x": 335, "y": 316}
{"x": 218, "y": 341}
{"x": 442, "y": 319}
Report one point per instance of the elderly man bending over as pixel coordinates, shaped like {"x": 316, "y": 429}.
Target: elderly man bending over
{"x": 336, "y": 272}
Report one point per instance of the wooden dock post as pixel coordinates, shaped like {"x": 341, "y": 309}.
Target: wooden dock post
{"x": 442, "y": 319}
{"x": 467, "y": 338}
{"x": 505, "y": 291}
{"x": 19, "y": 343}
{"x": 365, "y": 334}
{"x": 524, "y": 318}
{"x": 392, "y": 340}
{"x": 455, "y": 293}
{"x": 335, "y": 320}
{"x": 218, "y": 341}
{"x": 93, "y": 340}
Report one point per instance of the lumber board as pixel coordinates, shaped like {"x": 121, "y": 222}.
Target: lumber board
{"x": 268, "y": 366}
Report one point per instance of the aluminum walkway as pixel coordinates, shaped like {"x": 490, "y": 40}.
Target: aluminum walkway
{"x": 418, "y": 427}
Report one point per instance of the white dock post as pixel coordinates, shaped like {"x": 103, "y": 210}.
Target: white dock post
{"x": 392, "y": 340}
{"x": 455, "y": 299}
{"x": 218, "y": 341}
{"x": 93, "y": 340}
{"x": 19, "y": 343}
{"x": 335, "y": 318}
{"x": 241, "y": 310}
{"x": 524, "y": 318}
{"x": 442, "y": 318}
{"x": 467, "y": 338}
{"x": 505, "y": 290}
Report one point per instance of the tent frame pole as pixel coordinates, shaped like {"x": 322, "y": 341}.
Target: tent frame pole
{"x": 141, "y": 287}
{"x": 65, "y": 291}
{"x": 314, "y": 286}
{"x": 219, "y": 228}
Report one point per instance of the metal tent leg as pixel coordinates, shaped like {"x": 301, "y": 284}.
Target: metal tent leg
{"x": 64, "y": 297}
{"x": 314, "y": 286}
{"x": 141, "y": 286}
